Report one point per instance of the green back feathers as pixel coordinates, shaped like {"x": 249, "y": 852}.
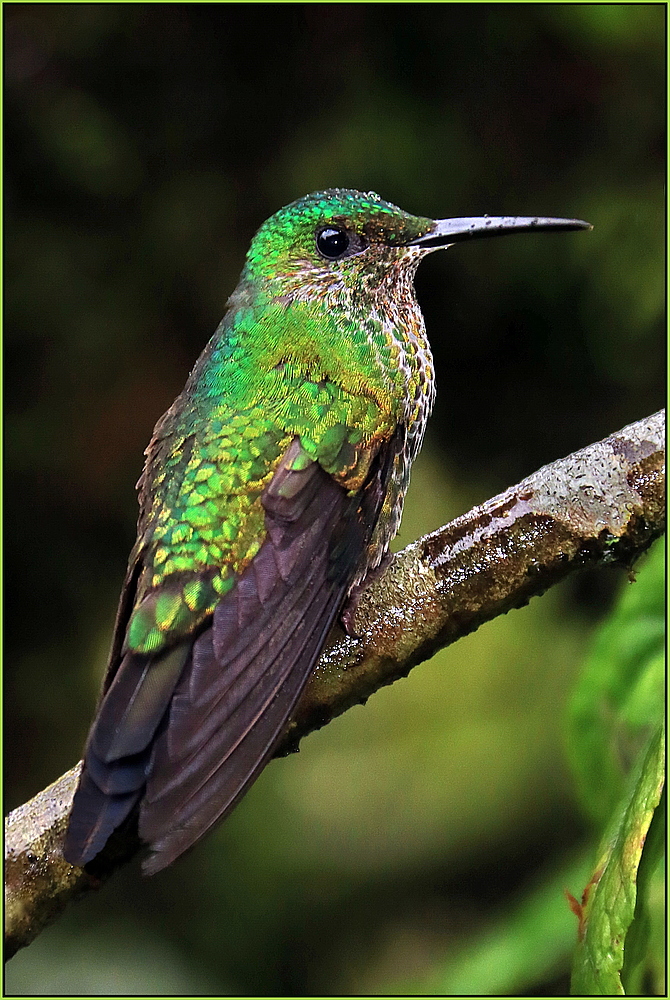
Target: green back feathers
{"x": 300, "y": 354}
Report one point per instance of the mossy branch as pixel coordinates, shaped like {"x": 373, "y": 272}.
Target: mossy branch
{"x": 602, "y": 505}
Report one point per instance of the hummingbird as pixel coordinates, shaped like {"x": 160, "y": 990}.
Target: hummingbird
{"x": 271, "y": 490}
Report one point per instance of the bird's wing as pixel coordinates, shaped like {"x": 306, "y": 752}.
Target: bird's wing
{"x": 195, "y": 713}
{"x": 248, "y": 669}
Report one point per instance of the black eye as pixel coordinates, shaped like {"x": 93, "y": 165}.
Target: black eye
{"x": 332, "y": 242}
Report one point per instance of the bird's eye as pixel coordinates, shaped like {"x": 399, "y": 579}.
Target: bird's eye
{"x": 332, "y": 243}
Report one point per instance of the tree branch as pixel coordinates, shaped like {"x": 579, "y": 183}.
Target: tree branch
{"x": 602, "y": 505}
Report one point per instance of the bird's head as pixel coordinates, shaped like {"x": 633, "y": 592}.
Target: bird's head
{"x": 342, "y": 239}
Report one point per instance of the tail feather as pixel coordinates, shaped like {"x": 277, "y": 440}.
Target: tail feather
{"x": 121, "y": 776}
{"x": 95, "y": 816}
{"x": 119, "y": 749}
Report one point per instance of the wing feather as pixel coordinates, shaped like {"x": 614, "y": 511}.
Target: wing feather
{"x": 247, "y": 671}
{"x": 183, "y": 733}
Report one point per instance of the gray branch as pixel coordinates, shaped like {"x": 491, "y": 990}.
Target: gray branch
{"x": 602, "y": 505}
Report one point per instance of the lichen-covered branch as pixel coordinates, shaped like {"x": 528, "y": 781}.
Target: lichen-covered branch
{"x": 602, "y": 505}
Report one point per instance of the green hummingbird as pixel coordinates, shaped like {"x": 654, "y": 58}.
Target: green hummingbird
{"x": 271, "y": 490}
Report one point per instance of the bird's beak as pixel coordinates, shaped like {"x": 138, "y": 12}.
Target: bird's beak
{"x": 447, "y": 231}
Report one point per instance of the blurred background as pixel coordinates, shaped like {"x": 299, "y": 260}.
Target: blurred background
{"x": 144, "y": 145}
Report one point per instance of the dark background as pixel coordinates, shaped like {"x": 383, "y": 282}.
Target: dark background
{"x": 144, "y": 144}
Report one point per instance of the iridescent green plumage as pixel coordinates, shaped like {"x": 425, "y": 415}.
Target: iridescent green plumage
{"x": 302, "y": 352}
{"x": 271, "y": 490}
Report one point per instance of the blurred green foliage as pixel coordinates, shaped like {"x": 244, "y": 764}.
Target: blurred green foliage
{"x": 144, "y": 145}
{"x": 620, "y": 699}
{"x": 617, "y": 744}
{"x": 530, "y": 941}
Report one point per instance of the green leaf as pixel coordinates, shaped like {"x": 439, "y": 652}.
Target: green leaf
{"x": 620, "y": 697}
{"x": 609, "y": 900}
{"x": 644, "y": 956}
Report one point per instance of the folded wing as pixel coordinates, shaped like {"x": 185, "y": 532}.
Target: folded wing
{"x": 186, "y": 732}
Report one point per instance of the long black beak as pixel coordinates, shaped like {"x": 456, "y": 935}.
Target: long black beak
{"x": 447, "y": 231}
